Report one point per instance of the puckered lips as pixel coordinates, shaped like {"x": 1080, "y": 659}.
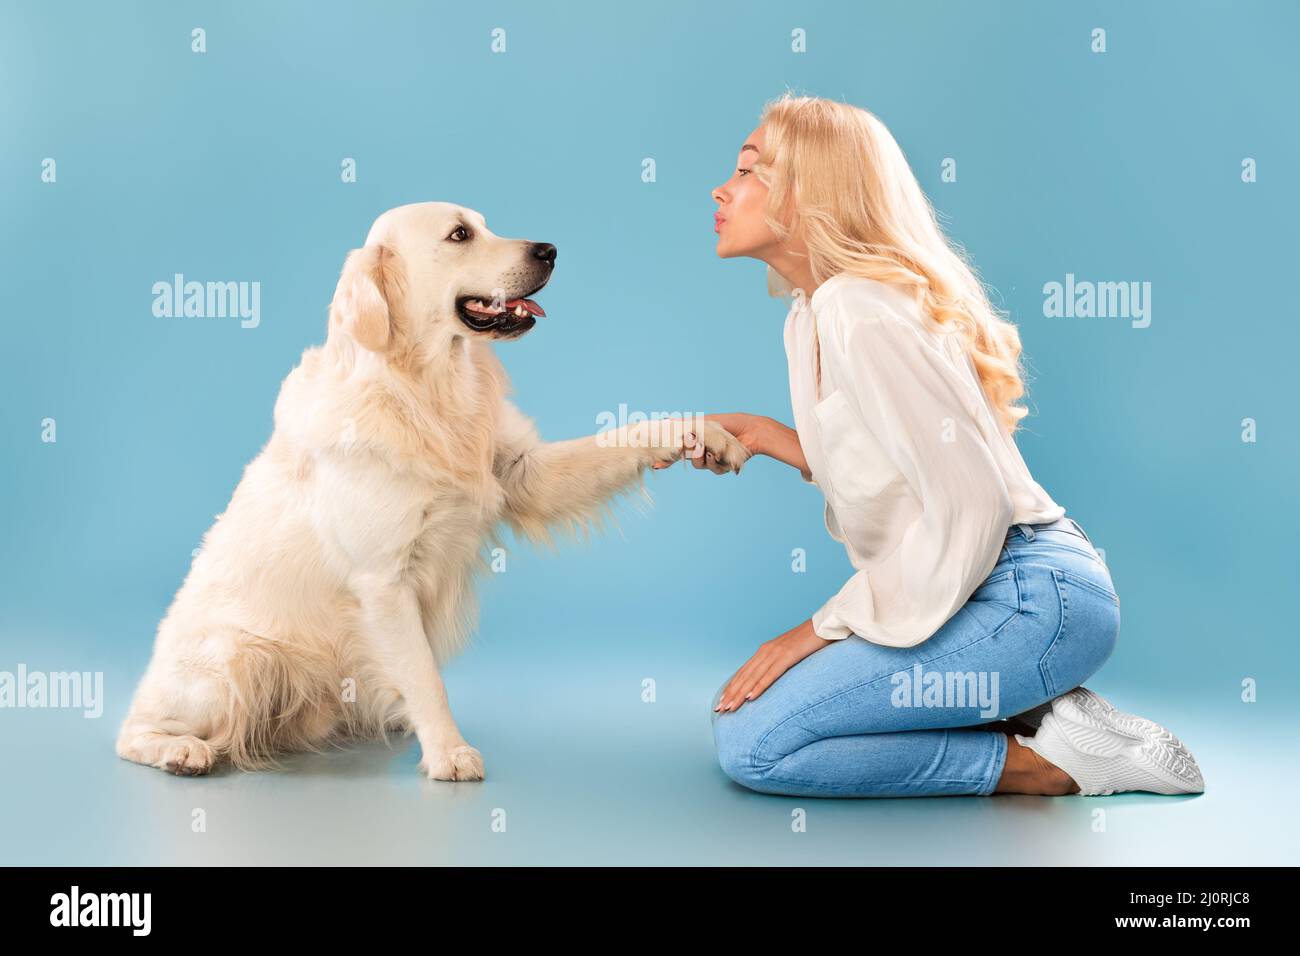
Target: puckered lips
{"x": 506, "y": 319}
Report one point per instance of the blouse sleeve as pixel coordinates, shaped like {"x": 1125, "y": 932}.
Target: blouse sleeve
{"x": 909, "y": 397}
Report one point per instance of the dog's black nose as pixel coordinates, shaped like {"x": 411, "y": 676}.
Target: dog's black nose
{"x": 544, "y": 251}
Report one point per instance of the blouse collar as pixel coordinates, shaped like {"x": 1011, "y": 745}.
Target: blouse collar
{"x": 819, "y": 296}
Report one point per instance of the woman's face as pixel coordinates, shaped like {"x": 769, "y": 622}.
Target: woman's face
{"x": 739, "y": 221}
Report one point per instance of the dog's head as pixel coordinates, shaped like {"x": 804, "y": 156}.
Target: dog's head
{"x": 431, "y": 271}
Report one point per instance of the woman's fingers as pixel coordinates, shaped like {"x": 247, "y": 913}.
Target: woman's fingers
{"x": 772, "y": 660}
{"x": 728, "y": 692}
{"x": 734, "y": 693}
{"x": 695, "y": 450}
{"x": 759, "y": 673}
{"x": 731, "y": 695}
{"x": 765, "y": 680}
{"x": 746, "y": 690}
{"x": 688, "y": 443}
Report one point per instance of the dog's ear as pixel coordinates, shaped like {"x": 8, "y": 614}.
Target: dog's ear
{"x": 369, "y": 296}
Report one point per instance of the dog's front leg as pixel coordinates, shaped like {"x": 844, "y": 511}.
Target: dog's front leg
{"x": 401, "y": 654}
{"x": 567, "y": 483}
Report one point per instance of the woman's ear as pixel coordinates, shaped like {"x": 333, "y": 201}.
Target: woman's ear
{"x": 368, "y": 297}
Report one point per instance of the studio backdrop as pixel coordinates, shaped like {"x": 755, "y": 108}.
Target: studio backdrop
{"x": 1140, "y": 157}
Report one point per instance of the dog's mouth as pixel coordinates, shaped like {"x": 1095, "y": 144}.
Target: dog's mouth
{"x": 507, "y": 318}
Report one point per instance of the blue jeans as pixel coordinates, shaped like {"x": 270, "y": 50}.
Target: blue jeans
{"x": 857, "y": 719}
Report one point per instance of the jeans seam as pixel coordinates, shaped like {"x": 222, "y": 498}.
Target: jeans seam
{"x": 1015, "y": 570}
{"x": 1067, "y": 547}
{"x": 982, "y": 784}
{"x": 985, "y": 786}
{"x": 1083, "y": 551}
{"x": 1064, "y": 604}
{"x": 1078, "y": 527}
{"x": 1014, "y": 574}
{"x": 1085, "y": 583}
{"x": 994, "y": 774}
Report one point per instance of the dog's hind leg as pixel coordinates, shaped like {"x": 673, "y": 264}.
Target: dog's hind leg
{"x": 178, "y": 716}
{"x": 233, "y": 696}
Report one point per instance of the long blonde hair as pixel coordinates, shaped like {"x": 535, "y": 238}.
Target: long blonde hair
{"x": 837, "y": 178}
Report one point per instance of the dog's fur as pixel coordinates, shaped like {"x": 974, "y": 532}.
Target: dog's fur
{"x": 341, "y": 574}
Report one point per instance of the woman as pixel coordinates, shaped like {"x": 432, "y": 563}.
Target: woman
{"x": 974, "y": 596}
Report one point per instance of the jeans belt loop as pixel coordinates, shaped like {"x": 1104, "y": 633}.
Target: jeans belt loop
{"x": 1026, "y": 530}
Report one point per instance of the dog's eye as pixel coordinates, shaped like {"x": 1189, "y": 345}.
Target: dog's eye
{"x": 459, "y": 234}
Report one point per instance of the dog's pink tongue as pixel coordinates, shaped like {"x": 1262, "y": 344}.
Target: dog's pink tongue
{"x": 528, "y": 304}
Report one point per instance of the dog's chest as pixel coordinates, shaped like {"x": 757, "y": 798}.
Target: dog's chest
{"x": 378, "y": 517}
{"x": 448, "y": 547}
{"x": 456, "y": 513}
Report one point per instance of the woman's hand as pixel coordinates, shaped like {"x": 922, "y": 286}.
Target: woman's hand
{"x": 760, "y": 435}
{"x": 773, "y": 659}
{"x": 764, "y": 436}
{"x": 707, "y": 443}
{"x": 750, "y": 430}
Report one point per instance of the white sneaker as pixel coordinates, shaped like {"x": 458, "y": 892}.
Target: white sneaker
{"x": 1106, "y": 750}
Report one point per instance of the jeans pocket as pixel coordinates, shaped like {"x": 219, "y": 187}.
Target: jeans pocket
{"x": 1086, "y": 637}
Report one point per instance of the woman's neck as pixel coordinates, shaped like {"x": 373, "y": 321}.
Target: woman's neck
{"x": 795, "y": 270}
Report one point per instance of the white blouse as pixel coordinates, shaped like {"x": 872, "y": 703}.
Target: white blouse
{"x": 921, "y": 481}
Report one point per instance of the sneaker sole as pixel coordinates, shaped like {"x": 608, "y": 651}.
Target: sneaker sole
{"x": 1093, "y": 726}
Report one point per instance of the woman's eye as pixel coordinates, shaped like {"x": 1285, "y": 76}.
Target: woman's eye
{"x": 742, "y": 172}
{"x": 459, "y": 234}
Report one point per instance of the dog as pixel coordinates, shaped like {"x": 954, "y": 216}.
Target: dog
{"x": 340, "y": 577}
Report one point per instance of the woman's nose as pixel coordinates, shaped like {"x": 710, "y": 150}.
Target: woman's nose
{"x": 718, "y": 196}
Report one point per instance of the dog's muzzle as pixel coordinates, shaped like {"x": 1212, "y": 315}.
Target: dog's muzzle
{"x": 510, "y": 315}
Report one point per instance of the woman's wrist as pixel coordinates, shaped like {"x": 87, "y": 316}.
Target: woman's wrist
{"x": 781, "y": 442}
{"x": 749, "y": 430}
{"x": 806, "y": 639}
{"x": 764, "y": 433}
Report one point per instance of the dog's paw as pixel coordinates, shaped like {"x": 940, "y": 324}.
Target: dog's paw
{"x": 703, "y": 443}
{"x": 181, "y": 754}
{"x": 715, "y": 448}
{"x": 188, "y": 757}
{"x": 461, "y": 762}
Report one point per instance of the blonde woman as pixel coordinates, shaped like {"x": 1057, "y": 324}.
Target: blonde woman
{"x": 974, "y": 597}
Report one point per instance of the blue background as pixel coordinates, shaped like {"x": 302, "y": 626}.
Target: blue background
{"x": 226, "y": 166}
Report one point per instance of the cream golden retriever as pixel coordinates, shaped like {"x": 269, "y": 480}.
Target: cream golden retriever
{"x": 340, "y": 576}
